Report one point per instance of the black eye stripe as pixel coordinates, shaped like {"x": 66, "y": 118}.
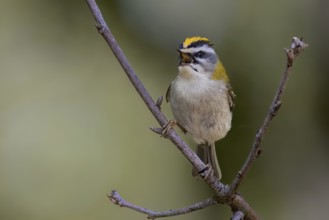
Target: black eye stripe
{"x": 199, "y": 54}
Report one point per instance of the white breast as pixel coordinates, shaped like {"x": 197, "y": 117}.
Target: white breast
{"x": 200, "y": 105}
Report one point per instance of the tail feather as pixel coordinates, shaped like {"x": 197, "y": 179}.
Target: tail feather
{"x": 207, "y": 153}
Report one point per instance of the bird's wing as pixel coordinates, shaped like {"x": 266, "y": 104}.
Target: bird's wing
{"x": 168, "y": 94}
{"x": 231, "y": 96}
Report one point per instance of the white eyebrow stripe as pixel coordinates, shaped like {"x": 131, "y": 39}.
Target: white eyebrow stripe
{"x": 192, "y": 50}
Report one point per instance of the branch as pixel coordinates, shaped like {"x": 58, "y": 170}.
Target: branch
{"x": 109, "y": 38}
{"x": 144, "y": 94}
{"x": 118, "y": 200}
{"x": 104, "y": 30}
{"x": 296, "y": 47}
{"x": 223, "y": 194}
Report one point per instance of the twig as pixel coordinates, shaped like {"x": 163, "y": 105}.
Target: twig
{"x": 296, "y": 47}
{"x": 109, "y": 38}
{"x": 118, "y": 200}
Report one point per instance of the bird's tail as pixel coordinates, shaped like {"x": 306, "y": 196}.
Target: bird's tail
{"x": 207, "y": 153}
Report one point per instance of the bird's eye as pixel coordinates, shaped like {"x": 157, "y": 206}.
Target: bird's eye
{"x": 200, "y": 54}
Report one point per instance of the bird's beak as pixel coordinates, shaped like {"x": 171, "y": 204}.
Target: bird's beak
{"x": 184, "y": 58}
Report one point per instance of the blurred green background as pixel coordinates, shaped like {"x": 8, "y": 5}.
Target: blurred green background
{"x": 72, "y": 128}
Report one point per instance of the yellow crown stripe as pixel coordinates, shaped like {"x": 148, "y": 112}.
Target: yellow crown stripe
{"x": 188, "y": 41}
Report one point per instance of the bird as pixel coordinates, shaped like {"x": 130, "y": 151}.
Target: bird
{"x": 201, "y": 98}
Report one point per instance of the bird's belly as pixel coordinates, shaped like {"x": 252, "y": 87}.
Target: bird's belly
{"x": 205, "y": 120}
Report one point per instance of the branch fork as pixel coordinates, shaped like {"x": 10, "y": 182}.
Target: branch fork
{"x": 223, "y": 194}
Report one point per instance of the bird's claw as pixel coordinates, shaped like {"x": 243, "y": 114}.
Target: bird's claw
{"x": 207, "y": 172}
{"x": 166, "y": 128}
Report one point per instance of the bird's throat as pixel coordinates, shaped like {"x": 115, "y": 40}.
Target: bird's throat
{"x": 186, "y": 72}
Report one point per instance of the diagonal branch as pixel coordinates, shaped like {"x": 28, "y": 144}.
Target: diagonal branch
{"x": 109, "y": 38}
{"x": 104, "y": 30}
{"x": 118, "y": 200}
{"x": 297, "y": 46}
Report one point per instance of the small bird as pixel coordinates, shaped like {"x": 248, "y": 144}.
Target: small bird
{"x": 201, "y": 98}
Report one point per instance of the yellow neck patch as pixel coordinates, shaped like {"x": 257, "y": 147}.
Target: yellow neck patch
{"x": 188, "y": 41}
{"x": 220, "y": 73}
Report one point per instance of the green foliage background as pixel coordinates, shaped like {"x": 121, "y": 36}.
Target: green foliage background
{"x": 72, "y": 128}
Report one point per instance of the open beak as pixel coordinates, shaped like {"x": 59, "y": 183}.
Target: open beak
{"x": 184, "y": 58}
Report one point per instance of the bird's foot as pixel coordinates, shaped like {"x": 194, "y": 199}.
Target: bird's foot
{"x": 207, "y": 172}
{"x": 166, "y": 128}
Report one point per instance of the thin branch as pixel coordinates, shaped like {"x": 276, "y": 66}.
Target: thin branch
{"x": 109, "y": 38}
{"x": 118, "y": 200}
{"x": 296, "y": 47}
